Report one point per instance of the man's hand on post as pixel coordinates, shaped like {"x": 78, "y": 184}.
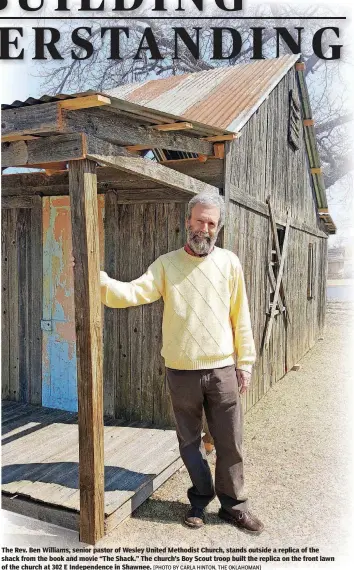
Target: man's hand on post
{"x": 243, "y": 380}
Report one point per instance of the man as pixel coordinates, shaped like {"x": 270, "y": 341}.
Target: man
{"x": 206, "y": 324}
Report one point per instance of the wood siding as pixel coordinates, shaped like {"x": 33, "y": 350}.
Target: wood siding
{"x": 135, "y": 385}
{"x": 259, "y": 164}
{"x": 22, "y": 300}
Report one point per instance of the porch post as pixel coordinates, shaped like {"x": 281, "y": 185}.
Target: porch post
{"x": 85, "y": 246}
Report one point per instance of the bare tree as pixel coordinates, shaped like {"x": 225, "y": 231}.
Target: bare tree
{"x": 327, "y": 85}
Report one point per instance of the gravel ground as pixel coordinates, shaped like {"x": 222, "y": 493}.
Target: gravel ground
{"x": 298, "y": 467}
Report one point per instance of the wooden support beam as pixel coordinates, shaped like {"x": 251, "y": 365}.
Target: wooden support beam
{"x": 120, "y": 130}
{"x": 57, "y": 149}
{"x": 219, "y": 150}
{"x": 30, "y": 183}
{"x": 105, "y": 154}
{"x": 222, "y": 138}
{"x": 309, "y": 122}
{"x": 31, "y": 120}
{"x": 85, "y": 245}
{"x": 172, "y": 127}
{"x": 61, "y": 148}
{"x": 86, "y": 102}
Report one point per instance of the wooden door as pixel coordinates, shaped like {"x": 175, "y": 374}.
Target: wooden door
{"x": 59, "y": 362}
{"x": 21, "y": 298}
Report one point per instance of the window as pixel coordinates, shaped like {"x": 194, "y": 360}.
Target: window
{"x": 310, "y": 272}
{"x": 294, "y": 121}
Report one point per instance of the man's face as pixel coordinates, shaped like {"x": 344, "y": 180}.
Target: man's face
{"x": 202, "y": 228}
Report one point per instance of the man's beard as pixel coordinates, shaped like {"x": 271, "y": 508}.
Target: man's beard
{"x": 200, "y": 242}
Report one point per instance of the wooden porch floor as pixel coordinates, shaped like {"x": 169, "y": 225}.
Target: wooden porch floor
{"x": 40, "y": 464}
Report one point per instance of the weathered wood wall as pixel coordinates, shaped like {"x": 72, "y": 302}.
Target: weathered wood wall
{"x": 259, "y": 164}
{"x": 134, "y": 371}
{"x": 21, "y": 299}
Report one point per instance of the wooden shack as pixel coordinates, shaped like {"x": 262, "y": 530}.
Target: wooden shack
{"x": 114, "y": 174}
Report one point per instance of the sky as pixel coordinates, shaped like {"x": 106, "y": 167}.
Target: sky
{"x": 19, "y": 80}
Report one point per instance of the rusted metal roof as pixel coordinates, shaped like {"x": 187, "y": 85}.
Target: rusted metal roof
{"x": 223, "y": 98}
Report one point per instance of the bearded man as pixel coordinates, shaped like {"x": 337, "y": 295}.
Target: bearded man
{"x": 208, "y": 347}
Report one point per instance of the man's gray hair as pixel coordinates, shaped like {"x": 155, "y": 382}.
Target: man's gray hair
{"x": 210, "y": 199}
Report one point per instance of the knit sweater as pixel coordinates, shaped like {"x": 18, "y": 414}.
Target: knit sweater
{"x": 206, "y": 320}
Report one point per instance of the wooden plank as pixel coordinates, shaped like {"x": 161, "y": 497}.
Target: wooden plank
{"x": 19, "y": 201}
{"x": 124, "y": 274}
{"x": 274, "y": 284}
{"x": 40, "y": 511}
{"x": 262, "y": 208}
{"x": 248, "y": 201}
{"x": 34, "y": 119}
{"x": 135, "y": 316}
{"x": 126, "y": 464}
{"x": 5, "y": 308}
{"x": 159, "y": 378}
{"x": 222, "y": 138}
{"x": 84, "y": 217}
{"x": 278, "y": 255}
{"x": 86, "y": 102}
{"x": 151, "y": 171}
{"x": 13, "y": 305}
{"x": 113, "y": 520}
{"x": 148, "y": 344}
{"x": 36, "y": 302}
{"x": 142, "y": 467}
{"x": 279, "y": 279}
{"x": 122, "y": 131}
{"x": 43, "y": 150}
{"x": 13, "y": 138}
{"x": 176, "y": 238}
{"x": 24, "y": 273}
{"x": 227, "y": 230}
{"x": 51, "y": 171}
{"x": 219, "y": 150}
{"x": 172, "y": 127}
{"x": 111, "y": 384}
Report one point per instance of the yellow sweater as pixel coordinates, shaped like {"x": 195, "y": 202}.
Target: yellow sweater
{"x": 206, "y": 317}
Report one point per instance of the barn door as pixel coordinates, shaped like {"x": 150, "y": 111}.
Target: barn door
{"x": 21, "y": 244}
{"x": 275, "y": 333}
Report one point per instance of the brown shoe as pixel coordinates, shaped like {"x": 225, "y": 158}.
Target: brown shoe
{"x": 244, "y": 520}
{"x": 194, "y": 517}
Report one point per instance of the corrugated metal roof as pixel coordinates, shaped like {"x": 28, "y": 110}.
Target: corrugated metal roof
{"x": 223, "y": 98}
